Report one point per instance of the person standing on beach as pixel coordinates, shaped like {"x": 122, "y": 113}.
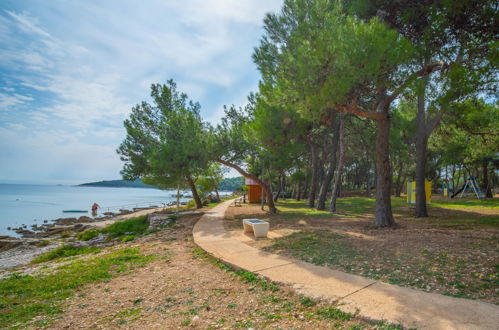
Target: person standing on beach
{"x": 94, "y": 209}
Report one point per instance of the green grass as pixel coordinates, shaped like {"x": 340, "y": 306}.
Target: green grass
{"x": 418, "y": 269}
{"x": 317, "y": 247}
{"x": 65, "y": 251}
{"x": 26, "y": 296}
{"x": 470, "y": 204}
{"x": 88, "y": 234}
{"x": 463, "y": 213}
{"x": 133, "y": 226}
{"x": 125, "y": 230}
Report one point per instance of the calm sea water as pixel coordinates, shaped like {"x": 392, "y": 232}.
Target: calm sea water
{"x": 31, "y": 204}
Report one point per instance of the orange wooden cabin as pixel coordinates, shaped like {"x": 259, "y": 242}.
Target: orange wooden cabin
{"x": 254, "y": 191}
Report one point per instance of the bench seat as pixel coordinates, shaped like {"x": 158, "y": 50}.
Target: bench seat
{"x": 259, "y": 227}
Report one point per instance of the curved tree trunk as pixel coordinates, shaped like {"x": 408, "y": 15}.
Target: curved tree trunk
{"x": 339, "y": 170}
{"x": 326, "y": 182}
{"x": 268, "y": 190}
{"x": 195, "y": 195}
{"x": 384, "y": 216}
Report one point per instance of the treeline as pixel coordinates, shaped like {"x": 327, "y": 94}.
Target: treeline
{"x": 360, "y": 95}
{"x": 231, "y": 184}
{"x": 117, "y": 184}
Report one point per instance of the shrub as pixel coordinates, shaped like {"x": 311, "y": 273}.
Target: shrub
{"x": 191, "y": 204}
{"x": 43, "y": 243}
{"x": 66, "y": 234}
{"x": 65, "y": 251}
{"x": 133, "y": 226}
{"x": 127, "y": 238}
{"x": 88, "y": 234}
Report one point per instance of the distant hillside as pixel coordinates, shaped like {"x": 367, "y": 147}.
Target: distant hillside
{"x": 117, "y": 184}
{"x": 231, "y": 184}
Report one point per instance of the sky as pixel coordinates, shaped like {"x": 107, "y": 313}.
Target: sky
{"x": 70, "y": 72}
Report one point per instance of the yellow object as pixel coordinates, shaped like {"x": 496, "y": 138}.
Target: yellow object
{"x": 446, "y": 192}
{"x": 411, "y": 192}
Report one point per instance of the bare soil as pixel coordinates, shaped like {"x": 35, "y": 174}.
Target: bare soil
{"x": 179, "y": 289}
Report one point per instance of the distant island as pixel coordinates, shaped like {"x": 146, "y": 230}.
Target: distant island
{"x": 117, "y": 184}
{"x": 227, "y": 184}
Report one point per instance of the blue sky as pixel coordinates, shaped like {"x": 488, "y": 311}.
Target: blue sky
{"x": 70, "y": 71}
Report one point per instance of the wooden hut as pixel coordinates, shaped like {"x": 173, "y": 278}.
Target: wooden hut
{"x": 254, "y": 191}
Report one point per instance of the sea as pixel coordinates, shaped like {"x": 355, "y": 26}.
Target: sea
{"x": 24, "y": 204}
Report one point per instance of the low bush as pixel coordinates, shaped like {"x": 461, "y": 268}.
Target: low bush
{"x": 65, "y": 251}
{"x": 43, "y": 243}
{"x": 133, "y": 226}
{"x": 127, "y": 238}
{"x": 88, "y": 234}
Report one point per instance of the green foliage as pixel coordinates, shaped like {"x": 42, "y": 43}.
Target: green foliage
{"x": 127, "y": 238}
{"x": 231, "y": 184}
{"x": 133, "y": 226}
{"x": 43, "y": 243}
{"x": 64, "y": 251}
{"x": 26, "y": 296}
{"x": 210, "y": 179}
{"x": 88, "y": 234}
{"x": 166, "y": 142}
{"x": 328, "y": 312}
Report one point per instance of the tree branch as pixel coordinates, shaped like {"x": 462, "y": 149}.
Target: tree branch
{"x": 423, "y": 72}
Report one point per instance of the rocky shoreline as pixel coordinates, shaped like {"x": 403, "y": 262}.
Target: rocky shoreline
{"x": 18, "y": 251}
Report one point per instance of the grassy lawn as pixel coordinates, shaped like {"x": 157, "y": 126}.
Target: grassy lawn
{"x": 464, "y": 213}
{"x": 453, "y": 252}
{"x": 26, "y": 296}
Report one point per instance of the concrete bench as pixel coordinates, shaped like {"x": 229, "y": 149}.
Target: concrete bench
{"x": 238, "y": 201}
{"x": 259, "y": 227}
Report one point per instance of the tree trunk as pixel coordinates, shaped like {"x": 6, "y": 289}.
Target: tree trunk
{"x": 283, "y": 184}
{"x": 315, "y": 173}
{"x": 321, "y": 201}
{"x": 280, "y": 188}
{"x": 384, "y": 216}
{"x": 192, "y": 185}
{"x": 339, "y": 169}
{"x": 305, "y": 187}
{"x": 368, "y": 181}
{"x": 218, "y": 195}
{"x": 421, "y": 150}
{"x": 178, "y": 199}
{"x": 298, "y": 194}
{"x": 401, "y": 186}
{"x": 487, "y": 189}
{"x": 398, "y": 184}
{"x": 268, "y": 190}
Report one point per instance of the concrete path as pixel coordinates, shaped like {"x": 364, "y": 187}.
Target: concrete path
{"x": 372, "y": 299}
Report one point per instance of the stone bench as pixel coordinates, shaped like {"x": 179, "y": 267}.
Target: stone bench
{"x": 238, "y": 201}
{"x": 259, "y": 227}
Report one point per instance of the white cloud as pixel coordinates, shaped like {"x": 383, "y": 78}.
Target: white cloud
{"x": 86, "y": 63}
{"x": 8, "y": 101}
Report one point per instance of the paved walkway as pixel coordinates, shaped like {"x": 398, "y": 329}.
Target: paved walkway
{"x": 372, "y": 299}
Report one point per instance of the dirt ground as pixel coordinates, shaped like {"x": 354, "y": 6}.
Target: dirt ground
{"x": 178, "y": 289}
{"x": 421, "y": 254}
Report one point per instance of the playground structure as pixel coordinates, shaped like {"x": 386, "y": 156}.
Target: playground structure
{"x": 470, "y": 185}
{"x": 411, "y": 192}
